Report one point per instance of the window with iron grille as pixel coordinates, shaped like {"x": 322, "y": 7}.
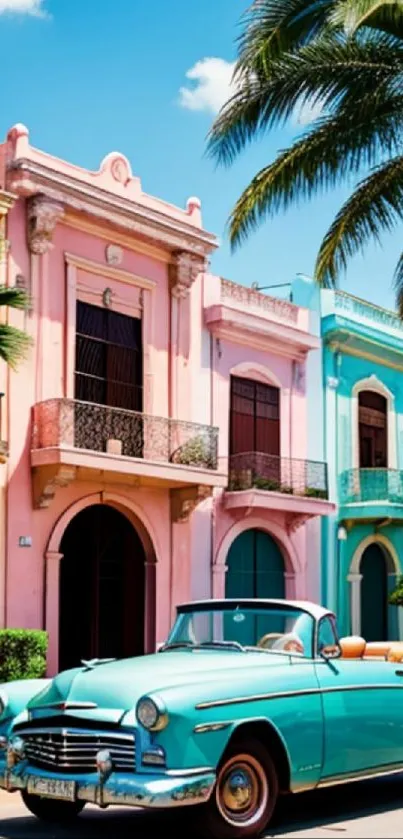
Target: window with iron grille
{"x": 109, "y": 362}
{"x": 254, "y": 417}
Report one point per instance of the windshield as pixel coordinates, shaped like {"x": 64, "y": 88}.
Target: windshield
{"x": 239, "y": 627}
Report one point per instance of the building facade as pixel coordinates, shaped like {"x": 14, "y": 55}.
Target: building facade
{"x": 361, "y": 407}
{"x": 265, "y": 524}
{"x": 157, "y": 435}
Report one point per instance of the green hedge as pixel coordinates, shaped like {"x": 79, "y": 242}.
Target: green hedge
{"x": 22, "y": 654}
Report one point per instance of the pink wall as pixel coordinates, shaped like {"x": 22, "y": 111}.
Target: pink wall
{"x": 197, "y": 330}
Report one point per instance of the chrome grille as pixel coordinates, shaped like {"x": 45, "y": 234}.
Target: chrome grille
{"x": 76, "y": 749}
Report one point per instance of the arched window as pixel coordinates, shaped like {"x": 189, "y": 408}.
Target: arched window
{"x": 372, "y": 430}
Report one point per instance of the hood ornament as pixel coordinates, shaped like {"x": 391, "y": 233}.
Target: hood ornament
{"x": 95, "y": 662}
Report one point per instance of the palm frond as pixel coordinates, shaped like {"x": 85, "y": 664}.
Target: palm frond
{"x": 14, "y": 345}
{"x": 374, "y": 207}
{"x": 273, "y": 27}
{"x": 16, "y": 298}
{"x": 327, "y": 71}
{"x": 333, "y": 149}
{"x": 380, "y": 15}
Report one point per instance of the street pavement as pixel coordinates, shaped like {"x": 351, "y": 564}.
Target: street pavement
{"x": 365, "y": 809}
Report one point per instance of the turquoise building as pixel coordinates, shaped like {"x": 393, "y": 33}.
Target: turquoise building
{"x": 357, "y": 405}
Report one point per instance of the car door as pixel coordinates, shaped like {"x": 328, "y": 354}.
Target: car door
{"x": 362, "y": 710}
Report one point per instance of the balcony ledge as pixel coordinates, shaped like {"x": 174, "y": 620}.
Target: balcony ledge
{"x": 60, "y": 465}
{"x": 372, "y": 511}
{"x": 259, "y": 332}
{"x": 298, "y": 509}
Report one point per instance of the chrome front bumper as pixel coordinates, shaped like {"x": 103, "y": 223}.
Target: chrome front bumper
{"x": 159, "y": 791}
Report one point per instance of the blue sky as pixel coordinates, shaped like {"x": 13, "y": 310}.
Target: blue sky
{"x": 91, "y": 76}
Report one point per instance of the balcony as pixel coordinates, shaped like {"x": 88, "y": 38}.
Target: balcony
{"x": 74, "y": 440}
{"x": 296, "y": 487}
{"x": 371, "y": 494}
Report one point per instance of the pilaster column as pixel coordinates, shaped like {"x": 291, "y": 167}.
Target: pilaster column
{"x": 43, "y": 214}
{"x": 183, "y": 271}
{"x": 52, "y": 577}
{"x": 355, "y": 601}
{"x": 219, "y": 573}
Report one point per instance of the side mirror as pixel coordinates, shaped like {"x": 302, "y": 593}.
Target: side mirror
{"x": 330, "y": 651}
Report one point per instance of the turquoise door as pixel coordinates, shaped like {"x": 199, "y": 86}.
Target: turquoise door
{"x": 255, "y": 569}
{"x": 374, "y": 595}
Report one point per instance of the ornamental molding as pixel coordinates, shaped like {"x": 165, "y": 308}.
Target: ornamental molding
{"x": 294, "y": 522}
{"x": 46, "y": 480}
{"x": 27, "y": 178}
{"x": 43, "y": 215}
{"x": 186, "y": 499}
{"x": 184, "y": 269}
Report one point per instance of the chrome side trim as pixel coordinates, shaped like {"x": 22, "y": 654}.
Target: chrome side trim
{"x": 394, "y": 769}
{"x": 66, "y": 706}
{"x": 187, "y": 773}
{"x": 211, "y": 726}
{"x": 287, "y": 694}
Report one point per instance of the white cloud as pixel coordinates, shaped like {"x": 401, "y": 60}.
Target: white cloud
{"x": 307, "y": 112}
{"x": 212, "y": 85}
{"x": 22, "y": 7}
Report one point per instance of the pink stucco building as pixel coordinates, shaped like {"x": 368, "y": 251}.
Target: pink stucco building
{"x": 157, "y": 433}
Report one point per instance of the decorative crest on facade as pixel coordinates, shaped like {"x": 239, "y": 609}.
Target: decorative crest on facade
{"x": 185, "y": 267}
{"x": 43, "y": 215}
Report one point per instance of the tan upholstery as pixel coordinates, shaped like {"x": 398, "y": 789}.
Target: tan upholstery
{"x": 377, "y": 649}
{"x": 396, "y": 651}
{"x": 352, "y": 646}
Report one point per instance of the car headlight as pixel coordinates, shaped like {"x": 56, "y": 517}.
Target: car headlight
{"x": 151, "y": 714}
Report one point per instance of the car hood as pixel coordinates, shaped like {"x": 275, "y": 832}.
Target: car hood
{"x": 118, "y": 685}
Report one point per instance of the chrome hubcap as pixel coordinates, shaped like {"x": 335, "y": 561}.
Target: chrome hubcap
{"x": 242, "y": 790}
{"x": 238, "y": 790}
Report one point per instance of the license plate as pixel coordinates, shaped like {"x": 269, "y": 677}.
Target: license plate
{"x": 52, "y": 788}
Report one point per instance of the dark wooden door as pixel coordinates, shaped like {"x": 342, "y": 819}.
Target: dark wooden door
{"x": 255, "y": 428}
{"x": 102, "y": 588}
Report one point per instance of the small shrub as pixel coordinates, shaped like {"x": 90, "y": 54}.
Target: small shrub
{"x": 396, "y": 596}
{"x": 22, "y": 654}
{"x": 313, "y": 492}
{"x": 195, "y": 452}
{"x": 267, "y": 484}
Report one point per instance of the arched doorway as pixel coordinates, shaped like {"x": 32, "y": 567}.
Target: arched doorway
{"x": 102, "y": 587}
{"x": 255, "y": 569}
{"x": 255, "y": 566}
{"x": 374, "y": 594}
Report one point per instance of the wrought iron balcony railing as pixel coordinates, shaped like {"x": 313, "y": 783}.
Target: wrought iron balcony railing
{"x": 357, "y": 486}
{"x": 255, "y": 470}
{"x": 100, "y": 428}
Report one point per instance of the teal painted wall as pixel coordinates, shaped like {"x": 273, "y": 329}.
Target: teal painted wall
{"x": 369, "y": 330}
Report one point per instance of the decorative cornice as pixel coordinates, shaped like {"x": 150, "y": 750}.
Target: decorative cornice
{"x": 47, "y": 480}
{"x": 186, "y": 499}
{"x": 43, "y": 216}
{"x": 184, "y": 269}
{"x": 28, "y": 178}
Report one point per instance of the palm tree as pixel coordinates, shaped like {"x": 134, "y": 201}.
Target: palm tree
{"x": 14, "y": 343}
{"x": 345, "y": 56}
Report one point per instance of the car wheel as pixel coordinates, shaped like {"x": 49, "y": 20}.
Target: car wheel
{"x": 49, "y": 810}
{"x": 245, "y": 794}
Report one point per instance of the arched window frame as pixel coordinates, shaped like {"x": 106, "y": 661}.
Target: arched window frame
{"x": 372, "y": 383}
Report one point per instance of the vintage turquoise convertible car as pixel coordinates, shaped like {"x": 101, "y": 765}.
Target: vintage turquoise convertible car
{"x": 247, "y": 699}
